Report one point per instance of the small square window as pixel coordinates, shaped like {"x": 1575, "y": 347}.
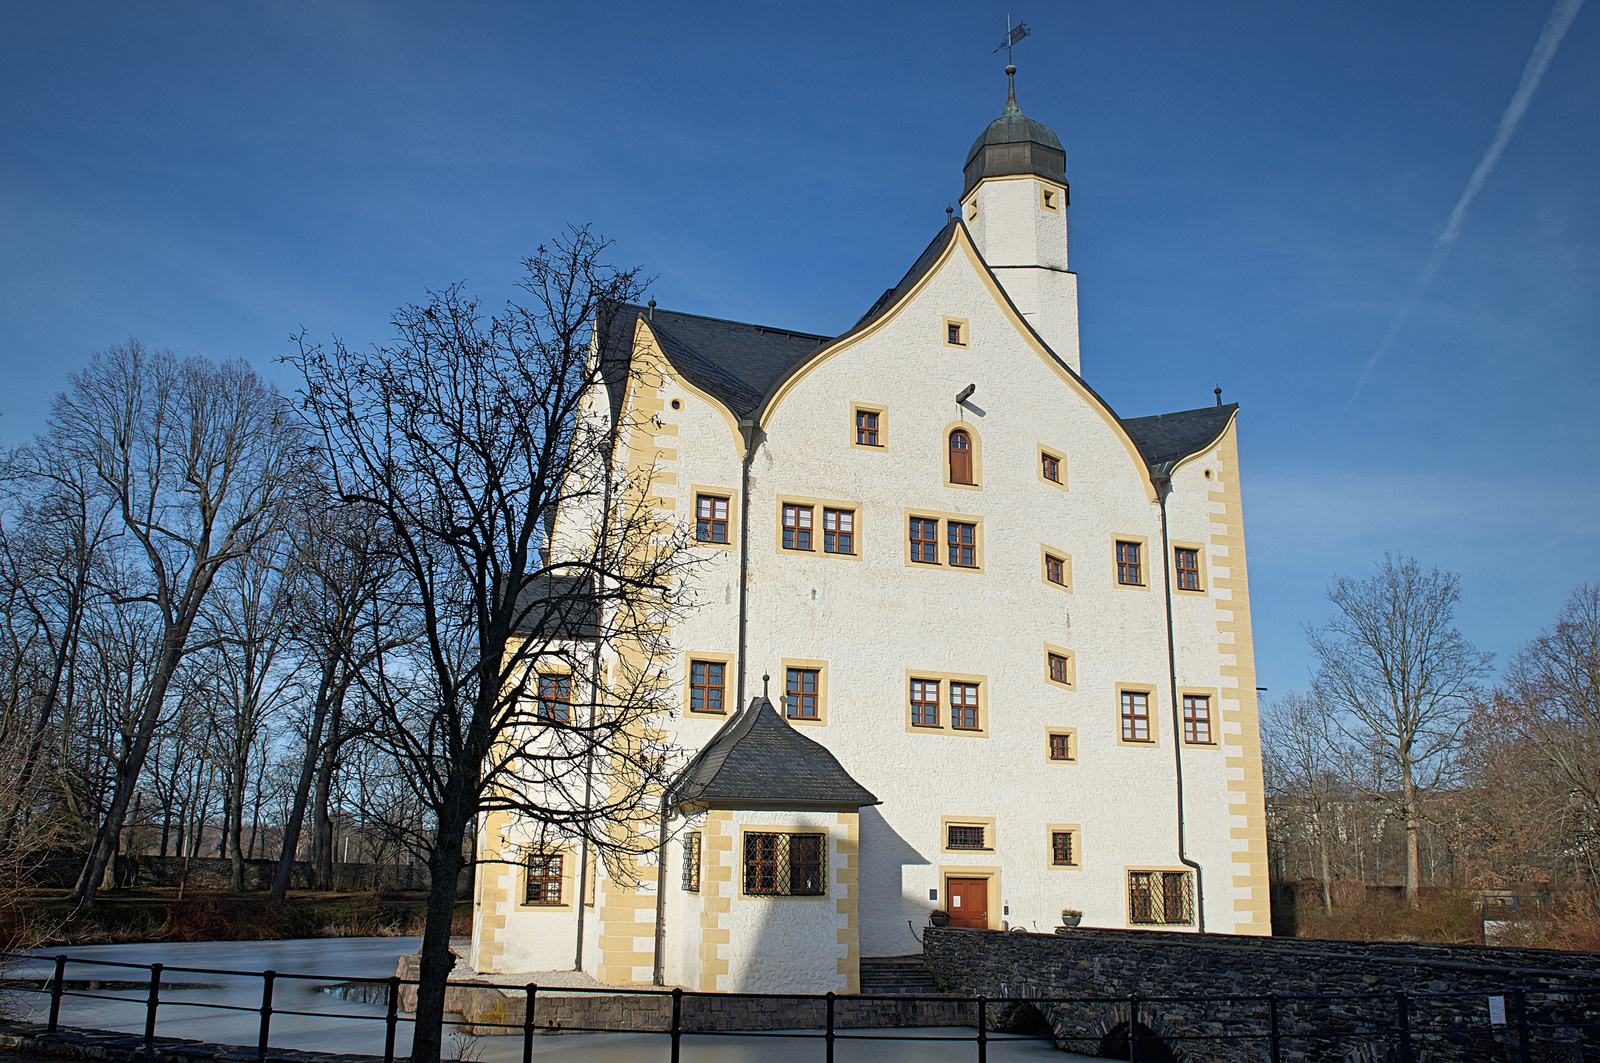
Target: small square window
{"x": 800, "y": 688}
{"x": 1060, "y": 668}
{"x": 1186, "y": 565}
{"x": 543, "y": 879}
{"x": 1050, "y": 467}
{"x": 1197, "y": 720}
{"x": 924, "y": 540}
{"x": 964, "y": 837}
{"x": 963, "y": 542}
{"x": 1060, "y": 746}
{"x": 555, "y": 698}
{"x": 1050, "y": 199}
{"x": 925, "y": 703}
{"x": 1130, "y": 572}
{"x": 964, "y": 706}
{"x": 711, "y": 519}
{"x": 1135, "y": 716}
{"x": 796, "y": 527}
{"x": 1055, "y": 569}
{"x": 1061, "y": 849}
{"x": 707, "y": 686}
{"x": 867, "y": 434}
{"x": 839, "y": 531}
{"x": 955, "y": 332}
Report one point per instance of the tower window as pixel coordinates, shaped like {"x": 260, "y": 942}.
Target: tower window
{"x": 1129, "y": 570}
{"x": 1196, "y": 720}
{"x": 801, "y": 690}
{"x": 711, "y": 519}
{"x": 867, "y": 428}
{"x": 1187, "y": 564}
{"x": 706, "y": 686}
{"x": 1050, "y": 199}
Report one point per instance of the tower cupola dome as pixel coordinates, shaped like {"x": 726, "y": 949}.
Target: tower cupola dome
{"x": 1015, "y": 144}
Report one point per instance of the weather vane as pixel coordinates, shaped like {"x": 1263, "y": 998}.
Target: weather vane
{"x": 1013, "y": 35}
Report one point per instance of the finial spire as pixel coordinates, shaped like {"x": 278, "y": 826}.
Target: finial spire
{"x": 1011, "y": 82}
{"x": 765, "y": 679}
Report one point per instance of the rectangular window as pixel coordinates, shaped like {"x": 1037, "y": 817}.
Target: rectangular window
{"x": 691, "y": 863}
{"x": 839, "y": 531}
{"x": 867, "y": 428}
{"x": 1055, "y": 569}
{"x": 963, "y": 837}
{"x": 964, "y": 706}
{"x": 925, "y": 540}
{"x": 1187, "y": 564}
{"x": 1128, "y": 567}
{"x": 925, "y": 703}
{"x": 544, "y": 879}
{"x": 963, "y": 539}
{"x": 796, "y": 527}
{"x": 711, "y": 519}
{"x": 1061, "y": 848}
{"x": 1050, "y": 466}
{"x": 1135, "y": 716}
{"x": 800, "y": 689}
{"x": 785, "y": 865}
{"x": 953, "y": 334}
{"x": 555, "y": 697}
{"x": 1160, "y": 897}
{"x": 1197, "y": 720}
{"x": 707, "y": 684}
{"x": 1060, "y": 668}
{"x": 1060, "y": 747}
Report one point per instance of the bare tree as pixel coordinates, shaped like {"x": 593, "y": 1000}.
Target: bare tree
{"x": 1301, "y": 761}
{"x": 197, "y": 459}
{"x": 467, "y": 435}
{"x": 1553, "y": 691}
{"x": 1401, "y": 678}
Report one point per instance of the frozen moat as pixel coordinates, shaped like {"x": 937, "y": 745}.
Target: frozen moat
{"x": 339, "y": 1020}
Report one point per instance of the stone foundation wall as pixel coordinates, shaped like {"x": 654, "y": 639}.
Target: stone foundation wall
{"x": 566, "y": 1011}
{"x": 1339, "y": 1027}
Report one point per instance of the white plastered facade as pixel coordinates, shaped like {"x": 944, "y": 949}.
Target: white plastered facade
{"x": 874, "y": 620}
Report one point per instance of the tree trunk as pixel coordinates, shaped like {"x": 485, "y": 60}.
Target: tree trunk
{"x": 94, "y": 869}
{"x": 1327, "y": 876}
{"x": 1413, "y": 854}
{"x": 445, "y": 865}
{"x": 302, "y": 788}
{"x": 235, "y": 837}
{"x": 321, "y": 821}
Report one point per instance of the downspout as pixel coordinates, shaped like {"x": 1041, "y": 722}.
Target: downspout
{"x": 1161, "y": 477}
{"x": 751, "y": 432}
{"x": 661, "y": 889}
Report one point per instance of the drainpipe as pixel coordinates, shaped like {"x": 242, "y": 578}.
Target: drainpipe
{"x": 661, "y": 889}
{"x": 1161, "y": 476}
{"x": 751, "y": 433}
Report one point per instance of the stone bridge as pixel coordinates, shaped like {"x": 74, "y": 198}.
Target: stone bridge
{"x": 1355, "y": 1019}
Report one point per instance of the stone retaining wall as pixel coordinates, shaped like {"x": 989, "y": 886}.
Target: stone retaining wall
{"x": 564, "y": 1010}
{"x": 1341, "y": 1027}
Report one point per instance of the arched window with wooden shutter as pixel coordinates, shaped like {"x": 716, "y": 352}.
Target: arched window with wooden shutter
{"x": 960, "y": 457}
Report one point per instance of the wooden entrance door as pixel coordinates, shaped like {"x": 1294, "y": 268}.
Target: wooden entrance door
{"x": 969, "y": 902}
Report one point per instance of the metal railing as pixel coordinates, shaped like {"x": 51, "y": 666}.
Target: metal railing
{"x": 1388, "y": 1017}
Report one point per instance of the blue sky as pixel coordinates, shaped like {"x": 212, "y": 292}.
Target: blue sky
{"x": 1256, "y": 188}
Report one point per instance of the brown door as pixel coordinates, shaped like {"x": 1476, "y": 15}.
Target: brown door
{"x": 969, "y": 902}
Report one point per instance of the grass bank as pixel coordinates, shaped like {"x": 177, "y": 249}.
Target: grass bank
{"x": 51, "y": 918}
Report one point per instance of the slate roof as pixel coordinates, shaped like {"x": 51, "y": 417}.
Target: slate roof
{"x": 757, "y": 760}
{"x": 555, "y": 606}
{"x": 735, "y": 362}
{"x": 1169, "y": 437}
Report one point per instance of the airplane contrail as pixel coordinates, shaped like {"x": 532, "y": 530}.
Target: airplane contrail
{"x": 1544, "y": 50}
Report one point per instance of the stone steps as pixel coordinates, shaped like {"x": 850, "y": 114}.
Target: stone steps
{"x": 895, "y": 975}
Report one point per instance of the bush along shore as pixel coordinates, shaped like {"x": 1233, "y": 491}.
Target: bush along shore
{"x": 118, "y": 916}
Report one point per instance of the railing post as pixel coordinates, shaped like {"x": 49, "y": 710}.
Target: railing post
{"x": 677, "y": 1021}
{"x": 1524, "y": 1049}
{"x": 267, "y": 978}
{"x": 530, "y": 998}
{"x": 57, "y": 986}
{"x": 1272, "y": 1022}
{"x": 392, "y": 1019}
{"x": 828, "y": 1037}
{"x": 983, "y": 1030}
{"x": 150, "y": 1007}
{"x": 1404, "y": 1005}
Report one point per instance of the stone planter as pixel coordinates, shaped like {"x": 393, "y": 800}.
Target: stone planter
{"x": 1070, "y": 919}
{"x": 939, "y": 919}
